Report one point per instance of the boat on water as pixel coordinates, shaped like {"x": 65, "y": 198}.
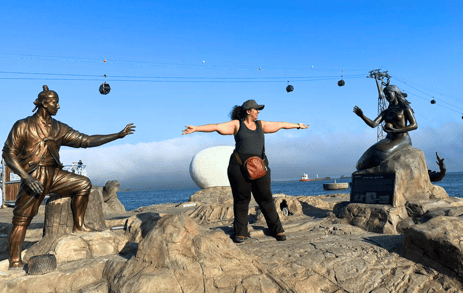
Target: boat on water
{"x": 76, "y": 168}
{"x": 305, "y": 177}
{"x": 335, "y": 186}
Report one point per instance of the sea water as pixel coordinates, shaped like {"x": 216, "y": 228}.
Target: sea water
{"x": 452, "y": 183}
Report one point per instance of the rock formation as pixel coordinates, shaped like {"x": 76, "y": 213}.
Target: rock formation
{"x": 136, "y": 227}
{"x": 78, "y": 246}
{"x": 111, "y": 204}
{"x": 437, "y": 243}
{"x": 162, "y": 249}
{"x": 178, "y": 255}
{"x": 219, "y": 194}
{"x": 377, "y": 218}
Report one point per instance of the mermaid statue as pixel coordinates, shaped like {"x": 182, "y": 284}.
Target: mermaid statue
{"x": 398, "y": 119}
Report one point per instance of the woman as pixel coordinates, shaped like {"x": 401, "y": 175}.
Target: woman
{"x": 399, "y": 121}
{"x": 249, "y": 139}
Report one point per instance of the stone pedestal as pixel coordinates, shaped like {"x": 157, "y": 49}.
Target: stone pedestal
{"x": 412, "y": 180}
{"x": 58, "y": 214}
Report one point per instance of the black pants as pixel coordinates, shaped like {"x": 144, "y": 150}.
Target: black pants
{"x": 241, "y": 188}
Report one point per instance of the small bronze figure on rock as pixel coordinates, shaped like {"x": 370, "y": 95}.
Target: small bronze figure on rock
{"x": 399, "y": 120}
{"x": 438, "y": 176}
{"x": 32, "y": 151}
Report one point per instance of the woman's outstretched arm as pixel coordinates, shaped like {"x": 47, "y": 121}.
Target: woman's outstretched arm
{"x": 226, "y": 128}
{"x": 271, "y": 127}
{"x": 367, "y": 120}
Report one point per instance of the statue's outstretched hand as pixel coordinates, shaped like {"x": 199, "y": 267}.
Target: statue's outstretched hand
{"x": 34, "y": 184}
{"x": 129, "y": 129}
{"x": 189, "y": 129}
{"x": 358, "y": 111}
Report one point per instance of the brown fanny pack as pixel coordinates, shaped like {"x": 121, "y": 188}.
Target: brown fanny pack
{"x": 254, "y": 167}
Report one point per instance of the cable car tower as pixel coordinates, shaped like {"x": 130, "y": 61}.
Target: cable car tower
{"x": 379, "y": 78}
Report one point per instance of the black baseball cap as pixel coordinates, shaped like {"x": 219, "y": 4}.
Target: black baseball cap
{"x": 251, "y": 104}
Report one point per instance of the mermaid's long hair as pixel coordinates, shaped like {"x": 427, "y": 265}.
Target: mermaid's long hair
{"x": 401, "y": 96}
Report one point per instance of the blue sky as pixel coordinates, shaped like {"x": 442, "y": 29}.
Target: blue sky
{"x": 155, "y": 53}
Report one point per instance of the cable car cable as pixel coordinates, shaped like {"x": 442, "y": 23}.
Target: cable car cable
{"x": 428, "y": 94}
{"x": 436, "y": 104}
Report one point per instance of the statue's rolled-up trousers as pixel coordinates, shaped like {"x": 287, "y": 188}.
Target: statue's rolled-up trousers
{"x": 54, "y": 180}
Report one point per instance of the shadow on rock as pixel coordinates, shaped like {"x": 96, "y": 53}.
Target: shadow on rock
{"x": 437, "y": 244}
{"x": 312, "y": 211}
{"x": 392, "y": 243}
{"x": 130, "y": 249}
{"x": 226, "y": 229}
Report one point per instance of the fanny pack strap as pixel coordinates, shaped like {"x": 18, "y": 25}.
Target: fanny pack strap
{"x": 238, "y": 158}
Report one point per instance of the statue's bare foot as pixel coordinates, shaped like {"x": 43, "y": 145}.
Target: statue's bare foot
{"x": 83, "y": 228}
{"x": 16, "y": 265}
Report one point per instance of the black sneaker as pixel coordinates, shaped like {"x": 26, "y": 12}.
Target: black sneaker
{"x": 280, "y": 237}
{"x": 239, "y": 239}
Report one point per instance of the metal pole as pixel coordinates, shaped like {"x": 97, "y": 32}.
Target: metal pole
{"x": 379, "y": 78}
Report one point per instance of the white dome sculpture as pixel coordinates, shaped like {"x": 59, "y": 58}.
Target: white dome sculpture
{"x": 208, "y": 168}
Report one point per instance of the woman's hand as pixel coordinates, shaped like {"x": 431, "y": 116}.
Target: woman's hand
{"x": 189, "y": 129}
{"x": 358, "y": 111}
{"x": 303, "y": 126}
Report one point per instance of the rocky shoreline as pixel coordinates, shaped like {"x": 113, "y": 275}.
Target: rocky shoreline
{"x": 332, "y": 246}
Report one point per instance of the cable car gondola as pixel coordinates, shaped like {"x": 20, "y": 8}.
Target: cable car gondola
{"x": 289, "y": 88}
{"x": 341, "y": 82}
{"x": 104, "y": 87}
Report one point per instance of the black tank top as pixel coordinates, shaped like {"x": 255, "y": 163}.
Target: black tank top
{"x": 250, "y": 142}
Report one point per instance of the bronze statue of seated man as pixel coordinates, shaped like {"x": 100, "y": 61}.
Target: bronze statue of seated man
{"x": 32, "y": 152}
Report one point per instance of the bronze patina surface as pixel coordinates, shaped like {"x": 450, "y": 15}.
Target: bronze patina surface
{"x": 399, "y": 120}
{"x": 32, "y": 151}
